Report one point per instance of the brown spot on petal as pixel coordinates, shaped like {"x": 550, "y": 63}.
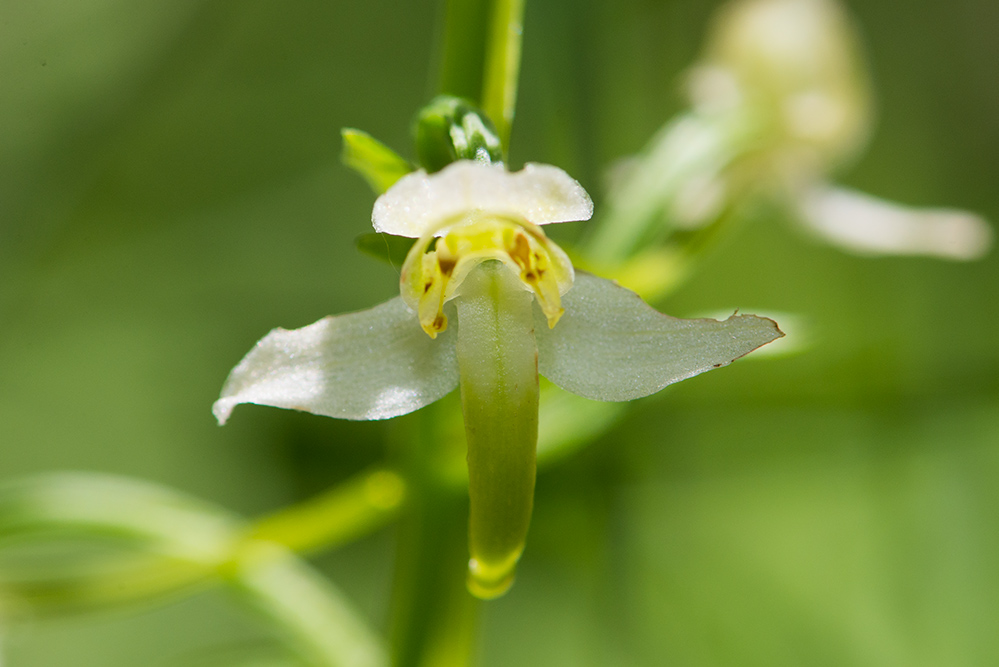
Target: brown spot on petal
{"x": 446, "y": 265}
{"x": 521, "y": 251}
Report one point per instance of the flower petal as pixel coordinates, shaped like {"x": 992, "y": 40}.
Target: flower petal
{"x": 867, "y": 225}
{"x": 611, "y": 346}
{"x": 539, "y": 194}
{"x": 374, "y": 364}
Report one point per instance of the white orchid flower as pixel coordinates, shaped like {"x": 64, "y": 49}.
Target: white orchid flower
{"x": 797, "y": 67}
{"x": 487, "y": 302}
{"x": 780, "y": 100}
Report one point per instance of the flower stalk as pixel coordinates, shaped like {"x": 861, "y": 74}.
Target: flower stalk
{"x": 462, "y": 52}
{"x": 354, "y": 508}
{"x": 502, "y": 64}
{"x": 433, "y": 617}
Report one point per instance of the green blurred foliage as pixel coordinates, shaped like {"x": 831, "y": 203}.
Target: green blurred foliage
{"x": 170, "y": 190}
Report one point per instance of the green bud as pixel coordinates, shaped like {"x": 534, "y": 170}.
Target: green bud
{"x": 450, "y": 129}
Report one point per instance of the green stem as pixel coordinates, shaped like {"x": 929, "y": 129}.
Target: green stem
{"x": 466, "y": 26}
{"x": 480, "y": 59}
{"x": 346, "y": 512}
{"x": 498, "y": 367}
{"x": 433, "y": 616}
{"x": 502, "y": 64}
{"x": 321, "y": 624}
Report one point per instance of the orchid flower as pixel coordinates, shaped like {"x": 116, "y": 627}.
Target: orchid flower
{"x": 799, "y": 64}
{"x": 487, "y": 302}
{"x": 780, "y": 100}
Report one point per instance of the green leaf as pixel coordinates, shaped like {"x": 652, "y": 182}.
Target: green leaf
{"x": 319, "y": 621}
{"x": 106, "y": 505}
{"x": 373, "y": 364}
{"x": 52, "y": 575}
{"x": 82, "y": 541}
{"x": 612, "y": 346}
{"x": 378, "y": 164}
{"x": 385, "y": 247}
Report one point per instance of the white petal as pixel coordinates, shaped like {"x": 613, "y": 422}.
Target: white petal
{"x": 374, "y": 364}
{"x": 867, "y": 225}
{"x": 612, "y": 346}
{"x": 539, "y": 193}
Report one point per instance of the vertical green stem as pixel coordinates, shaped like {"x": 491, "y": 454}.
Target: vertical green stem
{"x": 502, "y": 64}
{"x": 466, "y": 26}
{"x": 433, "y": 617}
{"x": 498, "y": 366}
{"x": 481, "y": 48}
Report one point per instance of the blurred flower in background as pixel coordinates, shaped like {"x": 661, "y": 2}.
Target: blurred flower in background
{"x": 780, "y": 101}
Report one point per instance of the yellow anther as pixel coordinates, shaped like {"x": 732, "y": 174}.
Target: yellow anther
{"x": 436, "y": 267}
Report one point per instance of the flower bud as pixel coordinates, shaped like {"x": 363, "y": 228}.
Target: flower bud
{"x": 451, "y": 129}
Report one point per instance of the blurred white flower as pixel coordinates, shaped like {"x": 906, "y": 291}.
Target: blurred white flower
{"x": 795, "y": 66}
{"x": 779, "y": 101}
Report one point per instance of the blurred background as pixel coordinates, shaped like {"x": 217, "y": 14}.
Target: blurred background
{"x": 170, "y": 190}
